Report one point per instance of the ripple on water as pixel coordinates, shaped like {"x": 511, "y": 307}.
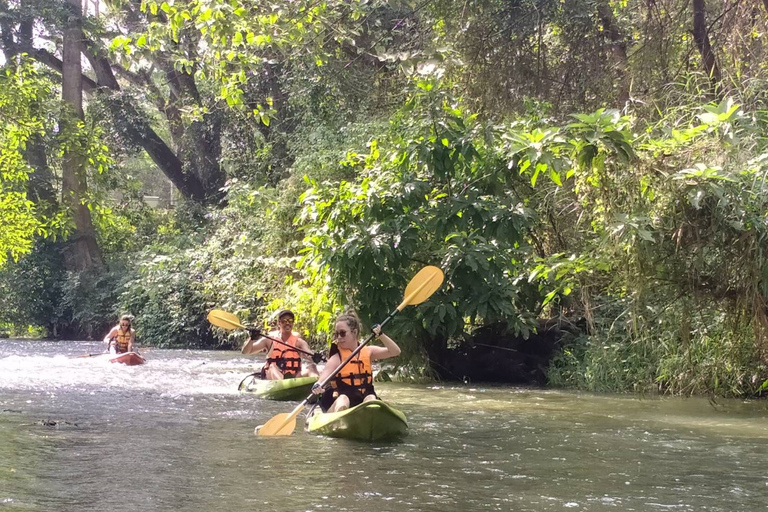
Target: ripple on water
{"x": 179, "y": 437}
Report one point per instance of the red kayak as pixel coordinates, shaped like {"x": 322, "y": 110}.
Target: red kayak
{"x": 129, "y": 358}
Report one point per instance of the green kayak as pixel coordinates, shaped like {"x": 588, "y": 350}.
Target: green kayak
{"x": 369, "y": 421}
{"x": 287, "y": 389}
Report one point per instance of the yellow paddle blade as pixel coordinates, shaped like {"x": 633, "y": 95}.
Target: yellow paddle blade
{"x": 422, "y": 286}
{"x": 281, "y": 425}
{"x": 224, "y": 320}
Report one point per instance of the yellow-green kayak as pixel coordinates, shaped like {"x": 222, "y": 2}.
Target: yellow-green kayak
{"x": 286, "y": 389}
{"x": 369, "y": 421}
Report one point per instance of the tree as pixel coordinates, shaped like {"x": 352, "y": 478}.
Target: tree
{"x": 701, "y": 36}
{"x": 618, "y": 50}
{"x": 23, "y": 94}
{"x": 197, "y": 178}
{"x": 82, "y": 251}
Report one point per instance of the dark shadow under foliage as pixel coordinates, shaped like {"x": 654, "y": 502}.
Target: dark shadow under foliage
{"x": 494, "y": 354}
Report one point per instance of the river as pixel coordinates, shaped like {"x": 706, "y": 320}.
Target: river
{"x": 175, "y": 435}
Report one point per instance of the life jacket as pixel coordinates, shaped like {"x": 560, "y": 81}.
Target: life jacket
{"x": 355, "y": 377}
{"x": 121, "y": 340}
{"x": 286, "y": 358}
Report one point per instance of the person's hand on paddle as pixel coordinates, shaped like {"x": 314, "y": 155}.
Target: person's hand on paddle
{"x": 318, "y": 357}
{"x": 255, "y": 333}
{"x": 317, "y": 389}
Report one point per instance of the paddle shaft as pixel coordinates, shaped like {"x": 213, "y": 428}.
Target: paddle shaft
{"x": 326, "y": 380}
{"x": 231, "y": 322}
{"x": 297, "y": 349}
{"x": 104, "y": 353}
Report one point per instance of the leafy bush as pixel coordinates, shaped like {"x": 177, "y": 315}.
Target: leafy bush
{"x": 430, "y": 192}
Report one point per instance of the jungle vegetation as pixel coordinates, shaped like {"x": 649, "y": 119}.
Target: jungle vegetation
{"x": 600, "y": 163}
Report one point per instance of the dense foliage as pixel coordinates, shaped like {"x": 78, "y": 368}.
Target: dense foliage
{"x": 23, "y": 97}
{"x": 599, "y": 163}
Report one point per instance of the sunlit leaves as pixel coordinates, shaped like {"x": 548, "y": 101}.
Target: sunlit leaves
{"x": 428, "y": 197}
{"x": 21, "y": 90}
{"x": 234, "y": 41}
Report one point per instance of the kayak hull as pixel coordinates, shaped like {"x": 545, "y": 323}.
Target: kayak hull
{"x": 370, "y": 421}
{"x": 129, "y": 359}
{"x": 285, "y": 390}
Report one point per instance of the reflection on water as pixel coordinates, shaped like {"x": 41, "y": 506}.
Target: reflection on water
{"x": 174, "y": 435}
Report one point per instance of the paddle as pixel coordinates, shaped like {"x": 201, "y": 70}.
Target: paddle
{"x": 229, "y": 321}
{"x": 146, "y": 349}
{"x": 90, "y": 355}
{"x": 421, "y": 287}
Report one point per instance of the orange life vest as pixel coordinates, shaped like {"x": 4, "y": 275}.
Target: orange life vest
{"x": 121, "y": 340}
{"x": 286, "y": 358}
{"x": 356, "y": 376}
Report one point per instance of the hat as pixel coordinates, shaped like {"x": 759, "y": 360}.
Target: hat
{"x": 285, "y": 312}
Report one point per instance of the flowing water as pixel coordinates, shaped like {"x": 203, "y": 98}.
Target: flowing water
{"x": 175, "y": 435}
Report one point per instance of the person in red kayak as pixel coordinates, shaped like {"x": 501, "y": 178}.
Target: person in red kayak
{"x": 353, "y": 384}
{"x": 283, "y": 362}
{"x": 122, "y": 337}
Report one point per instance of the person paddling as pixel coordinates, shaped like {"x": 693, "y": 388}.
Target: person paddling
{"x": 283, "y": 362}
{"x": 353, "y": 384}
{"x": 122, "y": 337}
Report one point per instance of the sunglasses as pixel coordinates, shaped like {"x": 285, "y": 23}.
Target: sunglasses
{"x": 287, "y": 321}
{"x": 125, "y": 325}
{"x": 339, "y": 334}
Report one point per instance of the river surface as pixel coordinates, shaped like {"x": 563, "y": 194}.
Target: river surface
{"x": 175, "y": 435}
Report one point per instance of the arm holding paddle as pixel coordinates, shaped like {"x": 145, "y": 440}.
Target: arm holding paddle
{"x": 333, "y": 362}
{"x": 132, "y": 341}
{"x": 306, "y": 352}
{"x": 111, "y": 337}
{"x": 390, "y": 348}
{"x": 255, "y": 344}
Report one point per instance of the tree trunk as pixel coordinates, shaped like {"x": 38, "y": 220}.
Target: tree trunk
{"x": 200, "y": 141}
{"x": 142, "y": 134}
{"x": 40, "y": 187}
{"x": 618, "y": 50}
{"x": 281, "y": 157}
{"x": 81, "y": 251}
{"x": 701, "y": 36}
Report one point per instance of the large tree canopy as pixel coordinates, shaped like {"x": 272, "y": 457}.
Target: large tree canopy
{"x": 595, "y": 164}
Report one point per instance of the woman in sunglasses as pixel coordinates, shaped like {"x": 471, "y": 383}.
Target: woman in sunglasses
{"x": 121, "y": 337}
{"x": 353, "y": 384}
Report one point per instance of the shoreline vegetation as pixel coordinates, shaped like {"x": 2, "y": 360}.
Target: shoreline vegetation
{"x": 591, "y": 177}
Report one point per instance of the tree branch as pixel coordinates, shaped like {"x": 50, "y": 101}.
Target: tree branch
{"x": 50, "y": 60}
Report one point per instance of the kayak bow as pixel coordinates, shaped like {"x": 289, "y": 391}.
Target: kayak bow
{"x": 129, "y": 358}
{"x": 370, "y": 421}
{"x": 286, "y": 389}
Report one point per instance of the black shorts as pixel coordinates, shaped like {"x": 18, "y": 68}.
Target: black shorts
{"x": 355, "y": 397}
